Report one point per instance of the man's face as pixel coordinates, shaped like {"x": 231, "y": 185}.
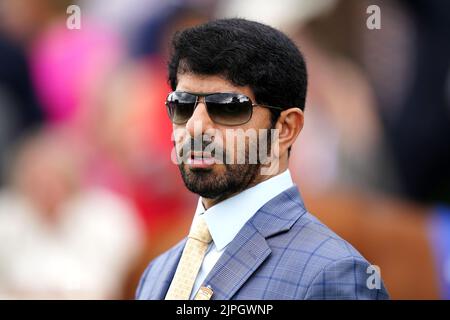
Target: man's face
{"x": 200, "y": 173}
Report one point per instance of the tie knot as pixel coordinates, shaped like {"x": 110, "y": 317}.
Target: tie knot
{"x": 200, "y": 230}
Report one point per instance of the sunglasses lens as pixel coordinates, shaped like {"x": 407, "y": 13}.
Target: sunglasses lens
{"x": 180, "y": 106}
{"x": 229, "y": 109}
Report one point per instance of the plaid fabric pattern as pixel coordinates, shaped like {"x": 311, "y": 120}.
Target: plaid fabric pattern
{"x": 282, "y": 252}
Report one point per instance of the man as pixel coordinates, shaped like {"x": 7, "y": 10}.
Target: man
{"x": 251, "y": 236}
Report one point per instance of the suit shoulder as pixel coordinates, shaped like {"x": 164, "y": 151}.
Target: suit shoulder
{"x": 311, "y": 238}
{"x": 328, "y": 266}
{"x": 155, "y": 267}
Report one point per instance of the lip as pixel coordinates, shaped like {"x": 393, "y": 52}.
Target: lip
{"x": 200, "y": 160}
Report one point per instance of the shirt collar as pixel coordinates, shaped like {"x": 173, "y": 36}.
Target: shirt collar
{"x": 226, "y": 218}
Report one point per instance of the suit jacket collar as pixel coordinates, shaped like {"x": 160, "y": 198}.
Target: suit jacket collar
{"x": 245, "y": 253}
{"x": 224, "y": 221}
{"x": 249, "y": 249}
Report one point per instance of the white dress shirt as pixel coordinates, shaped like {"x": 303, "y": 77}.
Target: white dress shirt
{"x": 227, "y": 218}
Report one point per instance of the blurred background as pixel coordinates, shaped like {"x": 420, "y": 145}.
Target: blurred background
{"x": 88, "y": 193}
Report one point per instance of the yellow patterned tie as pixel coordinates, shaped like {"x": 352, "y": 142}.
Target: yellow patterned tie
{"x": 190, "y": 262}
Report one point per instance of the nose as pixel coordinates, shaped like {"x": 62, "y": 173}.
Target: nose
{"x": 200, "y": 120}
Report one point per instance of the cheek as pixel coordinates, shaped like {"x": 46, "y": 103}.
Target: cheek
{"x": 179, "y": 136}
{"x": 236, "y": 142}
{"x": 179, "y": 133}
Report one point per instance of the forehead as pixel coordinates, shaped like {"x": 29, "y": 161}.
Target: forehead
{"x": 209, "y": 84}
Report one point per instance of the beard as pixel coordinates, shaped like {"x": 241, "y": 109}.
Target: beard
{"x": 212, "y": 185}
{"x": 222, "y": 180}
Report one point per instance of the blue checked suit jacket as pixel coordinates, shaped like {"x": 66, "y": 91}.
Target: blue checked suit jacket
{"x": 282, "y": 252}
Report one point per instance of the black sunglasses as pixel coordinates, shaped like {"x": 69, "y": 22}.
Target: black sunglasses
{"x": 230, "y": 109}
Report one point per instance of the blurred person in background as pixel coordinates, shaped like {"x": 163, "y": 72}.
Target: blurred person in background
{"x": 408, "y": 64}
{"x": 67, "y": 70}
{"x": 59, "y": 238}
{"x": 86, "y": 83}
{"x": 20, "y": 111}
{"x": 407, "y": 204}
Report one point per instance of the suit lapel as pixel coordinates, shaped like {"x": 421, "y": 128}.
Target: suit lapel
{"x": 166, "y": 271}
{"x": 249, "y": 249}
{"x": 240, "y": 259}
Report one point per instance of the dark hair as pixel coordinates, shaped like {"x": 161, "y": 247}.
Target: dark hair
{"x": 245, "y": 53}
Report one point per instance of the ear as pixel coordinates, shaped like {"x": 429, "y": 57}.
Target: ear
{"x": 289, "y": 125}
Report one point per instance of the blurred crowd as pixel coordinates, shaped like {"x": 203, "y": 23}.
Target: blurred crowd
{"x": 88, "y": 193}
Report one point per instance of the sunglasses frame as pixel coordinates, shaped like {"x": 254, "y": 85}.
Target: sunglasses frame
{"x": 199, "y": 95}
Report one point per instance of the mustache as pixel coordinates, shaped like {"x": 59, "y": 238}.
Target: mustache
{"x": 200, "y": 144}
